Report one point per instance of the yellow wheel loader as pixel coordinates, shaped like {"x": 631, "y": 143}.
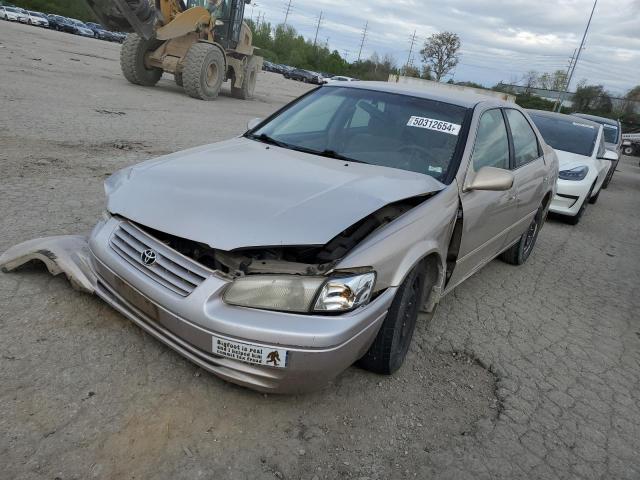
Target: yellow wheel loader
{"x": 201, "y": 47}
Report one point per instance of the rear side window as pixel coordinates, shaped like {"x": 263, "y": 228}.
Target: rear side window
{"x": 525, "y": 142}
{"x": 492, "y": 143}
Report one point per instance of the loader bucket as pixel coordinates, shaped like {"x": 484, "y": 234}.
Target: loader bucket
{"x": 125, "y": 15}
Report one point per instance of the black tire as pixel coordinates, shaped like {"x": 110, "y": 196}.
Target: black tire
{"x": 248, "y": 83}
{"x": 132, "y": 63}
{"x": 627, "y": 151}
{"x": 390, "y": 347}
{"x": 178, "y": 78}
{"x": 576, "y": 218}
{"x": 520, "y": 252}
{"x": 594, "y": 199}
{"x": 203, "y": 71}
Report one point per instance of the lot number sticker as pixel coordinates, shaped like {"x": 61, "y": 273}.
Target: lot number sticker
{"x": 432, "y": 124}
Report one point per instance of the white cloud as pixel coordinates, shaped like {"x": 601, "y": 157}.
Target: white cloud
{"x": 501, "y": 39}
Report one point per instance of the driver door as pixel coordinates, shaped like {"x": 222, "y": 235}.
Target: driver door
{"x": 488, "y": 216}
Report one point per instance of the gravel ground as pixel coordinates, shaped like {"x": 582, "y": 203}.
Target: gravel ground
{"x": 528, "y": 372}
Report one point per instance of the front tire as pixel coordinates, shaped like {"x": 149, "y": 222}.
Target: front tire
{"x": 249, "y": 81}
{"x": 203, "y": 71}
{"x": 628, "y": 151}
{"x": 389, "y": 349}
{"x": 132, "y": 60}
{"x": 520, "y": 252}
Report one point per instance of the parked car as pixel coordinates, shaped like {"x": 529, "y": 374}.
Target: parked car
{"x": 38, "y": 19}
{"x": 23, "y": 15}
{"x": 66, "y": 25}
{"x": 584, "y": 160}
{"x": 55, "y": 21}
{"x": 9, "y": 13}
{"x": 631, "y": 144}
{"x": 612, "y": 130}
{"x": 118, "y": 36}
{"x": 313, "y": 240}
{"x": 99, "y": 31}
{"x": 81, "y": 28}
{"x": 13, "y": 14}
{"x": 340, "y": 78}
{"x": 304, "y": 76}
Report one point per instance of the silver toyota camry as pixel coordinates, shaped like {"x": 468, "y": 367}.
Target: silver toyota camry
{"x": 277, "y": 259}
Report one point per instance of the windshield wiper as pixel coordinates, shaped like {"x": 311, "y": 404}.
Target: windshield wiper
{"x": 264, "y": 138}
{"x": 326, "y": 153}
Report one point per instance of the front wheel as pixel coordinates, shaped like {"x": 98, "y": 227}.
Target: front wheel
{"x": 390, "y": 347}
{"x": 203, "y": 71}
{"x": 132, "y": 60}
{"x": 520, "y": 252}
{"x": 627, "y": 151}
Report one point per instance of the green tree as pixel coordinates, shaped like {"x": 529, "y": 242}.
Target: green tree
{"x": 441, "y": 53}
{"x": 68, "y": 8}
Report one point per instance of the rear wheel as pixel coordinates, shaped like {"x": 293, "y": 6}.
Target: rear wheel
{"x": 628, "y": 150}
{"x": 390, "y": 347}
{"x": 520, "y": 252}
{"x": 203, "y": 71}
{"x": 249, "y": 81}
{"x": 132, "y": 60}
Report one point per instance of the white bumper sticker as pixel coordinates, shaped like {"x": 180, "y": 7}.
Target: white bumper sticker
{"x": 245, "y": 352}
{"x": 432, "y": 124}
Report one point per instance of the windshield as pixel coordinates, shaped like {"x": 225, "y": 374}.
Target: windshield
{"x": 568, "y": 135}
{"x": 385, "y": 129}
{"x": 9, "y": 9}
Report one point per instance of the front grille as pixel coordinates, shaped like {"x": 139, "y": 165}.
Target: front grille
{"x": 172, "y": 270}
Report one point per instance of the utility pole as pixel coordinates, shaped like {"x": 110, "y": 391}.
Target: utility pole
{"x": 577, "y": 57}
{"x": 315, "y": 39}
{"x": 286, "y": 15}
{"x": 413, "y": 41}
{"x": 364, "y": 36}
{"x": 569, "y": 67}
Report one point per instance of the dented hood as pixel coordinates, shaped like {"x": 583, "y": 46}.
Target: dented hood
{"x": 242, "y": 193}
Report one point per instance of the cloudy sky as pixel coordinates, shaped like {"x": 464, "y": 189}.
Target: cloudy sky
{"x": 500, "y": 39}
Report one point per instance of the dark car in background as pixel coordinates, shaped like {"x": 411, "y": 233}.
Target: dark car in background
{"x": 55, "y": 21}
{"x": 305, "y": 76}
{"x": 99, "y": 31}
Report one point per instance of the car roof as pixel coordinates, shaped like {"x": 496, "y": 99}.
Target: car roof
{"x": 454, "y": 97}
{"x": 597, "y": 119}
{"x": 564, "y": 116}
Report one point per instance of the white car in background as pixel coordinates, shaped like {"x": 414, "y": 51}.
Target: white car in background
{"x": 584, "y": 160}
{"x": 10, "y": 13}
{"x": 23, "y": 16}
{"x": 339, "y": 78}
{"x": 38, "y": 19}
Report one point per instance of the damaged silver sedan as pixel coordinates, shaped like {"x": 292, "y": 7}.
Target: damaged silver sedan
{"x": 277, "y": 259}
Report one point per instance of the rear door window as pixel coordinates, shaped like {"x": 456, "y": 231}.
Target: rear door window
{"x": 525, "y": 142}
{"x": 492, "y": 142}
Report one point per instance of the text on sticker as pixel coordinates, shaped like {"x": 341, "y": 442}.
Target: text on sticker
{"x": 432, "y": 124}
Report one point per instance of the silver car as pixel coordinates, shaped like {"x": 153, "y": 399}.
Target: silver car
{"x": 277, "y": 259}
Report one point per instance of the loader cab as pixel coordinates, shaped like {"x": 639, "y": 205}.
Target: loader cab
{"x": 231, "y": 13}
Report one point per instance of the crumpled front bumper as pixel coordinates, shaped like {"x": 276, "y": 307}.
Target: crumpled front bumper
{"x": 319, "y": 347}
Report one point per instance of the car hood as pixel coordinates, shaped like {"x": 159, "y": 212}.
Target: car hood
{"x": 568, "y": 160}
{"x": 242, "y": 193}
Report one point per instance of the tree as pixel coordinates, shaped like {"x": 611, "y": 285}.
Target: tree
{"x": 592, "y": 99}
{"x": 530, "y": 81}
{"x": 440, "y": 52}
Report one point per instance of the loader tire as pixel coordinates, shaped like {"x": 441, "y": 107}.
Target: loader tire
{"x": 248, "y": 83}
{"x": 203, "y": 71}
{"x": 132, "y": 63}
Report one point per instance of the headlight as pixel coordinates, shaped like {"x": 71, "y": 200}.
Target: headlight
{"x": 577, "y": 173}
{"x": 295, "y": 293}
{"x": 345, "y": 293}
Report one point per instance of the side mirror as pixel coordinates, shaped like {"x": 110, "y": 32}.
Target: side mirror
{"x": 609, "y": 155}
{"x": 491, "y": 178}
{"x": 253, "y": 123}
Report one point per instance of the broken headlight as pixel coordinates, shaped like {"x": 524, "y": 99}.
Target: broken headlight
{"x": 295, "y": 293}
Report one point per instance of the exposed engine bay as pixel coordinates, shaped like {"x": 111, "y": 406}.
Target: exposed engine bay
{"x": 303, "y": 260}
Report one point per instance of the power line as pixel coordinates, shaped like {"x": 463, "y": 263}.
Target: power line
{"x": 364, "y": 36}
{"x": 315, "y": 39}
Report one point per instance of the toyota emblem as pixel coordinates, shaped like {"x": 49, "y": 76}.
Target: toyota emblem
{"x": 148, "y": 257}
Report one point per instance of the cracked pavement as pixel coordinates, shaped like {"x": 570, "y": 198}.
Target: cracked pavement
{"x": 524, "y": 372}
